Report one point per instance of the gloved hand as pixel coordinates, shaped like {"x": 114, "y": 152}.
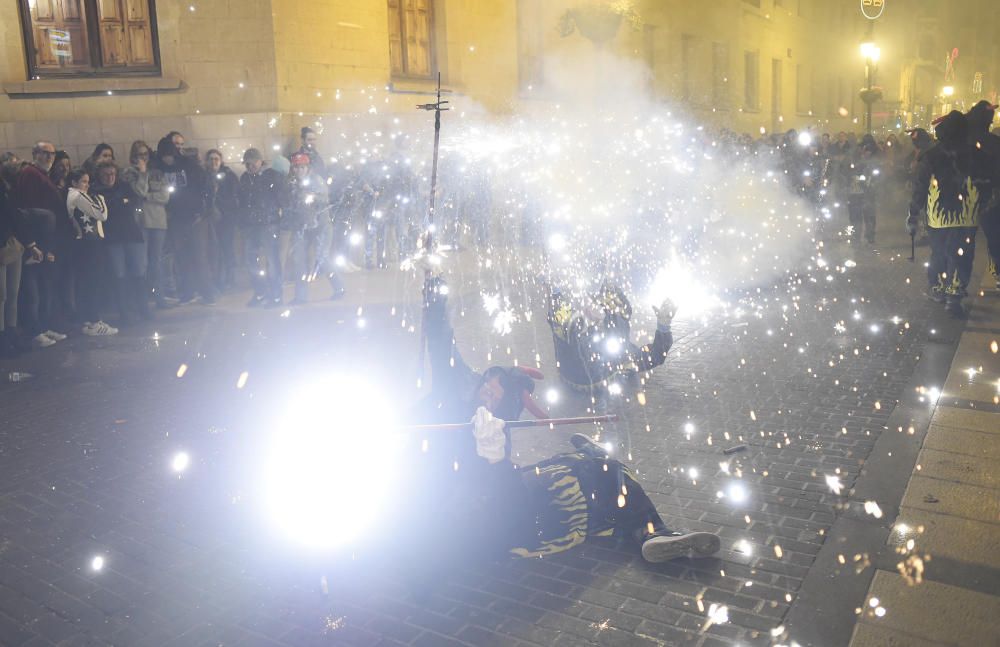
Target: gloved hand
{"x": 665, "y": 314}
{"x": 490, "y": 439}
{"x": 911, "y": 225}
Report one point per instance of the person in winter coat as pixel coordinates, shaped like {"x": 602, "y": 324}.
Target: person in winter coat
{"x": 150, "y": 185}
{"x": 88, "y": 213}
{"x": 863, "y": 178}
{"x": 307, "y": 216}
{"x": 261, "y": 197}
{"x": 189, "y": 230}
{"x": 124, "y": 242}
{"x": 223, "y": 208}
{"x": 945, "y": 186}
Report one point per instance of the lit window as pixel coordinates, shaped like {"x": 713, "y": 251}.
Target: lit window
{"x": 90, "y": 37}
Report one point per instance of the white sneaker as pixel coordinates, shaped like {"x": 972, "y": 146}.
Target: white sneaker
{"x": 51, "y": 334}
{"x": 99, "y": 329}
{"x": 42, "y": 341}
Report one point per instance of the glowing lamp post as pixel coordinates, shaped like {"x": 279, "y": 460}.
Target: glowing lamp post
{"x": 870, "y": 94}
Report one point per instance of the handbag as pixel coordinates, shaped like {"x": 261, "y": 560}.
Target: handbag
{"x": 11, "y": 251}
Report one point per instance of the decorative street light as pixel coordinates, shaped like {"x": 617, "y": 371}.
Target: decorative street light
{"x": 871, "y": 52}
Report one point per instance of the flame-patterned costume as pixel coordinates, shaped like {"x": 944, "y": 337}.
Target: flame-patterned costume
{"x": 948, "y": 185}
{"x": 591, "y": 350}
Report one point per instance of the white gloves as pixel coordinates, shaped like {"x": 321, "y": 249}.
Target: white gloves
{"x": 665, "y": 314}
{"x": 490, "y": 439}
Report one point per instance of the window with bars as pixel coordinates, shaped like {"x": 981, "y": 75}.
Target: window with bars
{"x": 90, "y": 38}
{"x": 411, "y": 38}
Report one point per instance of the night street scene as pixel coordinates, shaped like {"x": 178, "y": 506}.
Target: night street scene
{"x": 520, "y": 323}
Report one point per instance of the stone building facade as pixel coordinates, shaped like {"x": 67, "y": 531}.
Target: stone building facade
{"x": 235, "y": 73}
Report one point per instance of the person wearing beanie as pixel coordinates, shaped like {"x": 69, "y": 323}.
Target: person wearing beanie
{"x": 485, "y": 506}
{"x": 945, "y": 186}
{"x": 188, "y": 228}
{"x": 986, "y": 166}
{"x": 261, "y": 196}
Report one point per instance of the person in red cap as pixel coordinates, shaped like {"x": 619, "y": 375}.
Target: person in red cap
{"x": 307, "y": 219}
{"x": 986, "y": 165}
{"x": 485, "y": 506}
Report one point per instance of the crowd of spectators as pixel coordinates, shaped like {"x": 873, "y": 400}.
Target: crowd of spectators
{"x": 82, "y": 241}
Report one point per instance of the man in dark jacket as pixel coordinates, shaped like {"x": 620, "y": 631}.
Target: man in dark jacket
{"x": 986, "y": 166}
{"x": 262, "y": 194}
{"x": 945, "y": 185}
{"x": 42, "y": 207}
{"x": 188, "y": 227}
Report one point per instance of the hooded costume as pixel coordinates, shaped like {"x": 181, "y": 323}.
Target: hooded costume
{"x": 947, "y": 187}
{"x": 590, "y": 350}
{"x": 986, "y": 170}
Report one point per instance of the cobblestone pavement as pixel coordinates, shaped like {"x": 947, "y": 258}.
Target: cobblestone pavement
{"x": 86, "y": 446}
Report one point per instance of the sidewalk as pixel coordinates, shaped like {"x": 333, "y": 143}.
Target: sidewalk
{"x": 938, "y": 581}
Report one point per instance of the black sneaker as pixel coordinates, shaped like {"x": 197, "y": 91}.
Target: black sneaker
{"x": 585, "y": 445}
{"x": 953, "y": 306}
{"x": 663, "y": 547}
{"x": 935, "y": 295}
{"x": 337, "y": 295}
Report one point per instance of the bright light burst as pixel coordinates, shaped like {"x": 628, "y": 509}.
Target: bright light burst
{"x": 317, "y": 486}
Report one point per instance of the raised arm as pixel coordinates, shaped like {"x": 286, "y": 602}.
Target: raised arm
{"x": 448, "y": 369}
{"x": 653, "y": 354}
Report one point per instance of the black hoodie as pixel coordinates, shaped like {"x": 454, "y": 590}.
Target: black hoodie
{"x": 944, "y": 182}
{"x": 187, "y": 179}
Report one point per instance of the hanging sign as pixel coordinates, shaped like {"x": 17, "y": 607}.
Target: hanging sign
{"x": 872, "y": 9}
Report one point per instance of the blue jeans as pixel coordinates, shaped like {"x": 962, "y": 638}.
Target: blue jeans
{"x": 320, "y": 239}
{"x": 260, "y": 242}
{"x": 127, "y": 259}
{"x": 154, "y": 259}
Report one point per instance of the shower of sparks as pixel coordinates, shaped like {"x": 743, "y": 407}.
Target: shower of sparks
{"x": 180, "y": 462}
{"x": 833, "y": 482}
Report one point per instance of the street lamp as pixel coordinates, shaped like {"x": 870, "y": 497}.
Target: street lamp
{"x": 947, "y": 91}
{"x": 870, "y": 51}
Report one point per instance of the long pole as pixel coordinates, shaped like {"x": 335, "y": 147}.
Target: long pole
{"x": 516, "y": 424}
{"x": 868, "y": 103}
{"x": 438, "y": 107}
